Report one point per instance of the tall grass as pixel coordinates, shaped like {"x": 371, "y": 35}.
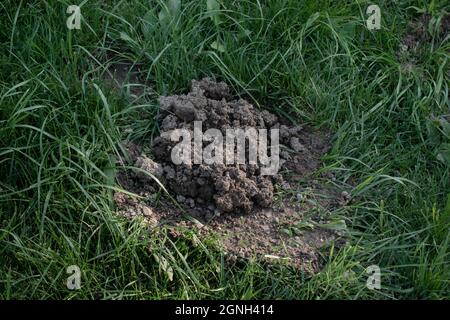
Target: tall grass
{"x": 310, "y": 61}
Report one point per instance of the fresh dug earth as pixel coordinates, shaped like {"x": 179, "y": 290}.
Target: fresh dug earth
{"x": 232, "y": 201}
{"x": 230, "y": 188}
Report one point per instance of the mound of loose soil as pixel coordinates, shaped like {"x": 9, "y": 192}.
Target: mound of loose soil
{"x": 229, "y": 199}
{"x": 236, "y": 188}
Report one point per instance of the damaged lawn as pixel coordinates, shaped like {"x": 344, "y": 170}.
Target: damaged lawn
{"x": 233, "y": 201}
{"x": 363, "y": 181}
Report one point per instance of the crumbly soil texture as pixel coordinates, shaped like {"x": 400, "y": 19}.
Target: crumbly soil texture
{"x": 234, "y": 201}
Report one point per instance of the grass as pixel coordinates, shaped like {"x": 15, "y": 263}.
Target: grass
{"x": 311, "y": 61}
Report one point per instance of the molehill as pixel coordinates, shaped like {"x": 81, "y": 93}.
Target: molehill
{"x": 222, "y": 187}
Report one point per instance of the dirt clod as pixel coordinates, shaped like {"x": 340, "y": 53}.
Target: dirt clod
{"x": 231, "y": 187}
{"x": 235, "y": 201}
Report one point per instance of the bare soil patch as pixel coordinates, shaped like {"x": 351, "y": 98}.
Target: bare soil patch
{"x": 233, "y": 202}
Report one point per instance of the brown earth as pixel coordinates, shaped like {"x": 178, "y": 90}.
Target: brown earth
{"x": 228, "y": 187}
{"x": 292, "y": 231}
{"x": 234, "y": 203}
